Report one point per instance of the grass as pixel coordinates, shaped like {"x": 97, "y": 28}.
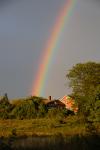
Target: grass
{"x": 42, "y": 127}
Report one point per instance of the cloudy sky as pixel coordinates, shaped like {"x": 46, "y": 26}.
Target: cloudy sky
{"x": 25, "y": 26}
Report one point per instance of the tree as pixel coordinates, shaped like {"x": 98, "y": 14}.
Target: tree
{"x": 5, "y": 100}
{"x": 95, "y": 109}
{"x": 42, "y": 111}
{"x": 5, "y": 107}
{"x": 26, "y": 109}
{"x": 84, "y": 77}
{"x": 85, "y": 83}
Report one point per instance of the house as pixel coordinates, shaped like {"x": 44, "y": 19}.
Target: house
{"x": 55, "y": 104}
{"x": 69, "y": 103}
{"x": 65, "y": 102}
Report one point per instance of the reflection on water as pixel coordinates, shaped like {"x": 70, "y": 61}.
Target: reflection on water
{"x": 52, "y": 143}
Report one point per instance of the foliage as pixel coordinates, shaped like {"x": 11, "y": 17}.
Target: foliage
{"x": 83, "y": 76}
{"x": 25, "y": 109}
{"x": 4, "y": 114}
{"x": 85, "y": 83}
{"x": 58, "y": 113}
{"x": 4, "y": 102}
{"x": 5, "y": 107}
{"x": 95, "y": 106}
{"x": 42, "y": 110}
{"x": 36, "y": 99}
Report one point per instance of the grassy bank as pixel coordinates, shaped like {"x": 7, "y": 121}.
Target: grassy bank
{"x": 45, "y": 126}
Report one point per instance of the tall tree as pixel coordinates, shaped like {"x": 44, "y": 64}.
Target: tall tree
{"x": 84, "y": 79}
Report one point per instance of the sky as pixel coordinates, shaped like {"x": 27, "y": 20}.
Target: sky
{"x": 25, "y": 27}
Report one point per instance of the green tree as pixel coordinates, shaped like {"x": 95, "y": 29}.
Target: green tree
{"x": 84, "y": 79}
{"x": 5, "y": 101}
{"x": 94, "y": 108}
{"x": 5, "y": 107}
{"x": 42, "y": 111}
{"x": 26, "y": 109}
{"x": 84, "y": 76}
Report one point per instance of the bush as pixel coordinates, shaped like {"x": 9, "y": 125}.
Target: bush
{"x": 55, "y": 113}
{"x": 25, "y": 110}
{"x": 42, "y": 111}
{"x": 5, "y": 107}
{"x": 4, "y": 114}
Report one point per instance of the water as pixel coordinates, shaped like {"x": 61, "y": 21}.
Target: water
{"x": 52, "y": 143}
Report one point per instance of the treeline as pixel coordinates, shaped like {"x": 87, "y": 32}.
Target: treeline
{"x": 28, "y": 108}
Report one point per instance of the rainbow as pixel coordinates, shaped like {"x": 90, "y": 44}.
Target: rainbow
{"x": 51, "y": 47}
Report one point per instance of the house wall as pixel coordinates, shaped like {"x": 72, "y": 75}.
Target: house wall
{"x": 69, "y": 103}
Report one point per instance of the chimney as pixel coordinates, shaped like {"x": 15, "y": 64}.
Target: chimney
{"x": 49, "y": 98}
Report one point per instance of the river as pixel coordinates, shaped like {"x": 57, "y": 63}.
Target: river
{"x": 51, "y": 143}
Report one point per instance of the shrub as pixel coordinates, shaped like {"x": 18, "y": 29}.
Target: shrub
{"x": 42, "y": 110}
{"x": 5, "y": 107}
{"x": 26, "y": 109}
{"x": 4, "y": 114}
{"x": 55, "y": 113}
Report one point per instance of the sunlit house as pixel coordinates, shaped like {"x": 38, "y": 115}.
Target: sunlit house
{"x": 69, "y": 103}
